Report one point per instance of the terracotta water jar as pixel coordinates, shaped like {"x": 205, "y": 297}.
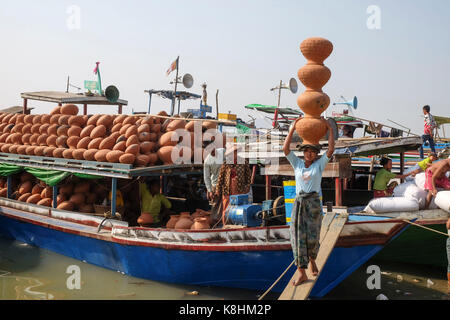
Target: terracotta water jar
{"x": 313, "y": 103}
{"x": 314, "y": 76}
{"x": 185, "y": 222}
{"x": 311, "y": 130}
{"x": 172, "y": 221}
{"x": 145, "y": 219}
{"x": 316, "y": 50}
{"x": 201, "y": 224}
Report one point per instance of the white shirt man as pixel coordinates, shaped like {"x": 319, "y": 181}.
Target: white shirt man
{"x": 211, "y": 169}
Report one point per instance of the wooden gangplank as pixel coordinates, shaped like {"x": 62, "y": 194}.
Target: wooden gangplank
{"x": 332, "y": 226}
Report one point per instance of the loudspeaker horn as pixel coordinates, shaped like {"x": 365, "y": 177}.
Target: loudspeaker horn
{"x": 293, "y": 86}
{"x": 112, "y": 94}
{"x": 353, "y": 103}
{"x": 188, "y": 81}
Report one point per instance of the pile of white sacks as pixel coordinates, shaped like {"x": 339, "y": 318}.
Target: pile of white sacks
{"x": 410, "y": 196}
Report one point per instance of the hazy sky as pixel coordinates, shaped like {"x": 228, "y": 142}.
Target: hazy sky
{"x": 243, "y": 48}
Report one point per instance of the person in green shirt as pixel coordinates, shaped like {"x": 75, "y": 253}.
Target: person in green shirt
{"x": 381, "y": 187}
{"x": 425, "y": 164}
{"x": 154, "y": 206}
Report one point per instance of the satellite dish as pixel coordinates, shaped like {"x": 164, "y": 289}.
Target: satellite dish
{"x": 188, "y": 81}
{"x": 293, "y": 86}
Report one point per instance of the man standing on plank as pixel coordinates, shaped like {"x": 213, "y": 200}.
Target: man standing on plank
{"x": 307, "y": 211}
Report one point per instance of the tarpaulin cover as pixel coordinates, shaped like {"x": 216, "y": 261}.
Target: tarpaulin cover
{"x": 50, "y": 177}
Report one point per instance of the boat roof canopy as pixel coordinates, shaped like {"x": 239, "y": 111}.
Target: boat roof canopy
{"x": 271, "y": 109}
{"x": 14, "y": 110}
{"x": 70, "y": 98}
{"x": 168, "y": 94}
{"x": 441, "y": 120}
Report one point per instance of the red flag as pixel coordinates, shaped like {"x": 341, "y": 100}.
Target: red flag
{"x": 172, "y": 67}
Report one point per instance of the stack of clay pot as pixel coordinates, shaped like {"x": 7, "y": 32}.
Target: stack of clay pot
{"x": 79, "y": 196}
{"x": 199, "y": 220}
{"x": 170, "y": 143}
{"x": 313, "y": 102}
{"x": 184, "y": 222}
{"x": 167, "y": 143}
{"x": 34, "y": 191}
{"x": 138, "y": 141}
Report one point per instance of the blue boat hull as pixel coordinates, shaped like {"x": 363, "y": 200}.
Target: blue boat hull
{"x": 256, "y": 270}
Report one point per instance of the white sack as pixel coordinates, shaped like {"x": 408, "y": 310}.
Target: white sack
{"x": 396, "y": 204}
{"x": 442, "y": 200}
{"x": 420, "y": 180}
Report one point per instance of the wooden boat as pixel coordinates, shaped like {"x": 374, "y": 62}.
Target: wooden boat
{"x": 240, "y": 257}
{"x": 250, "y": 258}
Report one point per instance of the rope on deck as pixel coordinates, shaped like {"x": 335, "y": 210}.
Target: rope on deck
{"x": 426, "y": 228}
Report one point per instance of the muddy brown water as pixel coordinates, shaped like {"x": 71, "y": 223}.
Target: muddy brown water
{"x": 30, "y": 273}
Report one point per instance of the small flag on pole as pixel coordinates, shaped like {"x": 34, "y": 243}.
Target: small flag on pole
{"x": 96, "y": 68}
{"x": 173, "y": 66}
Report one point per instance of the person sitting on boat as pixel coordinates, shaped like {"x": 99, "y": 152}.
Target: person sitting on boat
{"x": 307, "y": 212}
{"x": 235, "y": 177}
{"x": 154, "y": 206}
{"x": 436, "y": 177}
{"x": 347, "y": 132}
{"x": 380, "y": 186}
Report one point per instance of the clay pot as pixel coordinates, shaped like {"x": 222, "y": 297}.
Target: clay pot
{"x": 209, "y": 125}
{"x": 185, "y": 222}
{"x": 165, "y": 154}
{"x": 316, "y": 50}
{"x": 311, "y": 130}
{"x": 313, "y": 103}
{"x": 314, "y": 76}
{"x": 166, "y": 139}
{"x": 200, "y": 224}
{"x": 145, "y": 219}
{"x": 172, "y": 221}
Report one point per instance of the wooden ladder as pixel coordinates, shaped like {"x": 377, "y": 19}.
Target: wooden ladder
{"x": 332, "y": 226}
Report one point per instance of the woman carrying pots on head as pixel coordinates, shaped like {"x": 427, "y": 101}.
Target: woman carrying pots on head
{"x": 307, "y": 211}
{"x": 381, "y": 186}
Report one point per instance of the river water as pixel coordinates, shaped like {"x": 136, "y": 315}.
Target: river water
{"x": 30, "y": 273}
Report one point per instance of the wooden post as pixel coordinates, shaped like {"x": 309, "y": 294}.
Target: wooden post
{"x": 275, "y": 119}
{"x": 338, "y": 192}
{"x": 150, "y": 93}
{"x": 25, "y": 104}
{"x": 176, "y": 86}
{"x": 217, "y": 104}
{"x": 9, "y": 187}
{"x": 113, "y": 197}
{"x": 268, "y": 187}
{"x": 85, "y": 109}
{"x": 402, "y": 164}
{"x": 372, "y": 163}
{"x": 55, "y": 197}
